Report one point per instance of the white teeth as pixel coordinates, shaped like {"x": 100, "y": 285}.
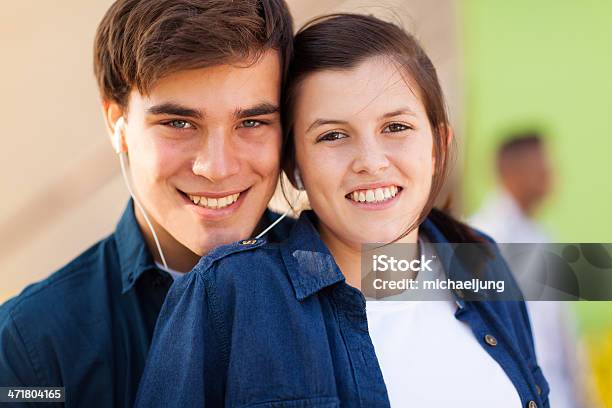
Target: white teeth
{"x": 374, "y": 195}
{"x": 379, "y": 194}
{"x": 214, "y": 203}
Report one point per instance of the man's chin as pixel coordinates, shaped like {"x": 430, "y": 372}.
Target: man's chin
{"x": 205, "y": 247}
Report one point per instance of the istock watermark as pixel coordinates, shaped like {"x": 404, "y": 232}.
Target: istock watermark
{"x": 383, "y": 263}
{"x": 526, "y": 271}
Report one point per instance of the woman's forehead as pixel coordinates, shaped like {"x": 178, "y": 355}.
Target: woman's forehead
{"x": 376, "y": 86}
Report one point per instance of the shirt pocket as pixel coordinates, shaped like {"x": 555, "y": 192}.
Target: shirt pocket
{"x": 317, "y": 402}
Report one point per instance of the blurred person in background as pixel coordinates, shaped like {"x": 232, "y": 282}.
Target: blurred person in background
{"x": 190, "y": 94}
{"x": 524, "y": 180}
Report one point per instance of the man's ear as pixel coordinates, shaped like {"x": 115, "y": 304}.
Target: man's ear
{"x": 111, "y": 112}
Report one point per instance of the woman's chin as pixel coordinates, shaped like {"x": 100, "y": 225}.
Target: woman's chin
{"x": 377, "y": 237}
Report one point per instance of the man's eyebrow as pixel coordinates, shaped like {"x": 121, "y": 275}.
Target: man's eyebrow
{"x": 402, "y": 111}
{"x": 257, "y": 110}
{"x": 321, "y": 122}
{"x": 170, "y": 108}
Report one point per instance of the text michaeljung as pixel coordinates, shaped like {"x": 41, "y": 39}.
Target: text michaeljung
{"x": 474, "y": 285}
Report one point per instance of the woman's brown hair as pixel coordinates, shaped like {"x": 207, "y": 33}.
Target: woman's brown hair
{"x": 343, "y": 41}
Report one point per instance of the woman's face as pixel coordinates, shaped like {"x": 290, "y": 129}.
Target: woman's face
{"x": 364, "y": 148}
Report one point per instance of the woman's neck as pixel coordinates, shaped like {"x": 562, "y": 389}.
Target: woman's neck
{"x": 348, "y": 254}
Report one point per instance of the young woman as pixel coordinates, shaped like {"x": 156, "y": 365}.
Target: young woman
{"x": 286, "y": 325}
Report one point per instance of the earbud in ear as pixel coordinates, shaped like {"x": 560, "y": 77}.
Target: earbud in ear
{"x": 298, "y": 179}
{"x": 118, "y": 143}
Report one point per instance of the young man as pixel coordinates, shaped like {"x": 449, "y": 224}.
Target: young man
{"x": 190, "y": 92}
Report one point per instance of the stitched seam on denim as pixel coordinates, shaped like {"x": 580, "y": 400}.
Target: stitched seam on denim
{"x": 526, "y": 378}
{"x": 341, "y": 320}
{"x": 318, "y": 400}
{"x": 212, "y": 301}
{"x": 30, "y": 350}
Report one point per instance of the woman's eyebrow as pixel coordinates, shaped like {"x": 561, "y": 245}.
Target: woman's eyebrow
{"x": 399, "y": 112}
{"x": 321, "y": 122}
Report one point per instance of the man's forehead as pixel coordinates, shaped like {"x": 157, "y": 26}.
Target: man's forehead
{"x": 230, "y": 75}
{"x": 221, "y": 87}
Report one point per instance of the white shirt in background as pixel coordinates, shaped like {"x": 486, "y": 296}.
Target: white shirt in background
{"x": 551, "y": 322}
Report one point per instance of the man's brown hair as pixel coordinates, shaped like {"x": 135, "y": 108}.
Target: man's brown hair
{"x": 140, "y": 41}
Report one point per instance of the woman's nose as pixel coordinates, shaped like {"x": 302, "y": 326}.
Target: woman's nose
{"x": 371, "y": 157}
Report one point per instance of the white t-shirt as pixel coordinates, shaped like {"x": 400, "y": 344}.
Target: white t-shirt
{"x": 174, "y": 274}
{"x": 429, "y": 358}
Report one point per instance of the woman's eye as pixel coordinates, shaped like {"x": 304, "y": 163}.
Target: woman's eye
{"x": 250, "y": 123}
{"x": 331, "y": 136}
{"x": 395, "y": 127}
{"x": 179, "y": 124}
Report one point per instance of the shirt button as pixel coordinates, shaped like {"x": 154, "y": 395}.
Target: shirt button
{"x": 492, "y": 341}
{"x": 532, "y": 404}
{"x": 248, "y": 242}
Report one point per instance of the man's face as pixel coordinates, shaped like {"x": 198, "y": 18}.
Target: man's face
{"x": 204, "y": 151}
{"x": 535, "y": 173}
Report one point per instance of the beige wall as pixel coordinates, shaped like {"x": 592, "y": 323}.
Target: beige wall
{"x": 61, "y": 190}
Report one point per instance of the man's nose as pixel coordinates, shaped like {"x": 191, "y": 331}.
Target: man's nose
{"x": 371, "y": 156}
{"x": 218, "y": 157}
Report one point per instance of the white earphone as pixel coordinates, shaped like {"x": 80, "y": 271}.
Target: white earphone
{"x": 121, "y": 150}
{"x": 298, "y": 179}
{"x": 117, "y": 141}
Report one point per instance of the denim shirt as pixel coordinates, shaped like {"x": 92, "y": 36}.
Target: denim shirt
{"x": 275, "y": 325}
{"x": 88, "y": 326}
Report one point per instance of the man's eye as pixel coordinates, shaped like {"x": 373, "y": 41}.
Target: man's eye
{"x": 251, "y": 123}
{"x": 179, "y": 124}
{"x": 331, "y": 136}
{"x": 395, "y": 127}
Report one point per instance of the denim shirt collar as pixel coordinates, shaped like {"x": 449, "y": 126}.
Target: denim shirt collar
{"x": 311, "y": 267}
{"x": 134, "y": 255}
{"x": 445, "y": 251}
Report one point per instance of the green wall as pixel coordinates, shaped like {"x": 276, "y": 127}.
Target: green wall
{"x": 548, "y": 63}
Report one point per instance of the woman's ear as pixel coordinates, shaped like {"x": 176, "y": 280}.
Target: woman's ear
{"x": 450, "y": 134}
{"x": 446, "y": 131}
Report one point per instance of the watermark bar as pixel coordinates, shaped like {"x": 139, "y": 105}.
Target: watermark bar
{"x": 32, "y": 394}
{"x": 529, "y": 271}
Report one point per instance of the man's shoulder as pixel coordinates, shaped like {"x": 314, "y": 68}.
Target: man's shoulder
{"x": 63, "y": 289}
{"x": 243, "y": 264}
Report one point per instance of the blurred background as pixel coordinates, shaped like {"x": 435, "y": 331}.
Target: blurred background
{"x": 506, "y": 68}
